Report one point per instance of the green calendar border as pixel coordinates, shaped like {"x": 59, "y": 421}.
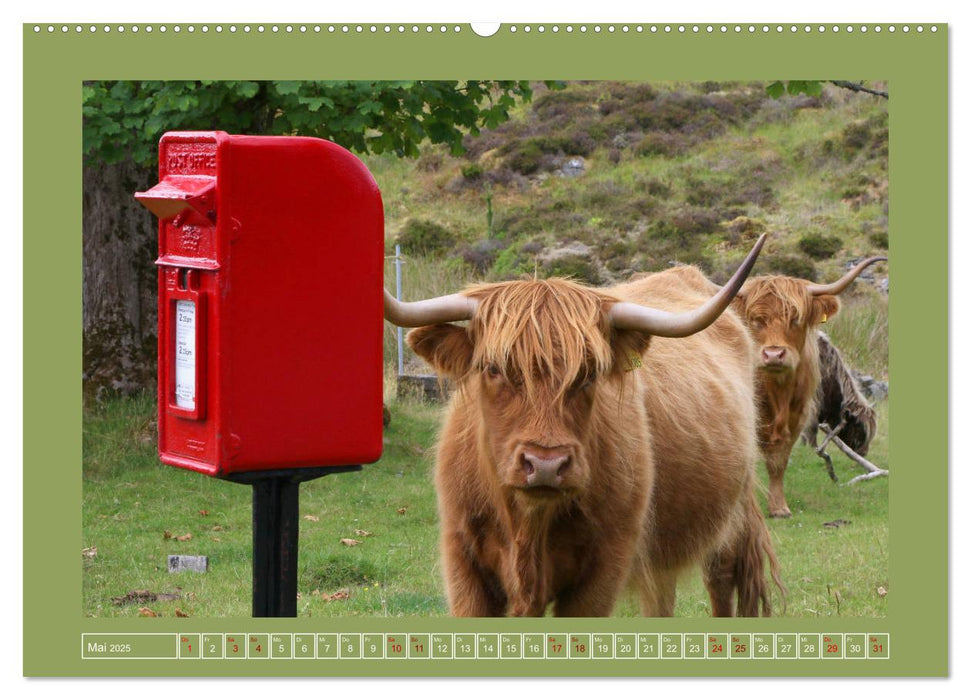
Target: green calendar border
{"x": 914, "y": 63}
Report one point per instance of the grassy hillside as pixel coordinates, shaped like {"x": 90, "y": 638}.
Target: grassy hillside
{"x": 599, "y": 180}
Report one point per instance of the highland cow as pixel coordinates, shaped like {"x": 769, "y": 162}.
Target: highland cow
{"x": 783, "y": 314}
{"x": 595, "y": 439}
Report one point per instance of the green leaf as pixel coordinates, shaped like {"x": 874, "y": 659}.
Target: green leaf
{"x": 287, "y": 87}
{"x": 775, "y": 90}
{"x": 247, "y": 89}
{"x": 814, "y": 88}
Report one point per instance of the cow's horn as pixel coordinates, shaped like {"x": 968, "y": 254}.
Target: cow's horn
{"x": 844, "y": 282}
{"x": 428, "y": 312}
{"x": 678, "y": 325}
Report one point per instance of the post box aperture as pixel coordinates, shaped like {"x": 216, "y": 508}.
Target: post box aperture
{"x": 270, "y": 303}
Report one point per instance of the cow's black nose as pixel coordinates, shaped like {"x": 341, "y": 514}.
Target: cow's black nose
{"x": 545, "y": 467}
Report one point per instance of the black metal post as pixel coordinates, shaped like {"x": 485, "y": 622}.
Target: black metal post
{"x": 276, "y": 512}
{"x": 276, "y": 534}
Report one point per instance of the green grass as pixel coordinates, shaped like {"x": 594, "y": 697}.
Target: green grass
{"x": 130, "y": 501}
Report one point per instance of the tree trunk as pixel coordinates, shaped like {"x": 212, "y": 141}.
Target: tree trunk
{"x": 120, "y": 244}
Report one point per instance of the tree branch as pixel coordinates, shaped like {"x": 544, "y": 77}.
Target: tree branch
{"x": 857, "y": 87}
{"x": 873, "y": 470}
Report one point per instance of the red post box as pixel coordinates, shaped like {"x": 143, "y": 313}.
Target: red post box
{"x": 270, "y": 295}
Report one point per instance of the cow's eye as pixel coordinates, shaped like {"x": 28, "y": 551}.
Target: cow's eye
{"x": 493, "y": 372}
{"x": 582, "y": 384}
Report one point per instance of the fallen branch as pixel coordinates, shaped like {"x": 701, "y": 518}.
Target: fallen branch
{"x": 831, "y": 433}
{"x": 821, "y": 450}
{"x": 867, "y": 476}
{"x": 873, "y": 471}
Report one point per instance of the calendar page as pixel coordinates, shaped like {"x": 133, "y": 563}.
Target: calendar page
{"x": 610, "y": 483}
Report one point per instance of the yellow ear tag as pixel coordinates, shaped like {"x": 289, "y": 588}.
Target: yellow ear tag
{"x": 634, "y": 362}
{"x": 824, "y": 318}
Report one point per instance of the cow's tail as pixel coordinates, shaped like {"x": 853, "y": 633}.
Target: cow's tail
{"x": 754, "y": 597}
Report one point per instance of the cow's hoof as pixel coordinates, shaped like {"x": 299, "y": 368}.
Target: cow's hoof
{"x": 780, "y": 513}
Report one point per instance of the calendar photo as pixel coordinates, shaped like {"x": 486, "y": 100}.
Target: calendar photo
{"x": 588, "y": 368}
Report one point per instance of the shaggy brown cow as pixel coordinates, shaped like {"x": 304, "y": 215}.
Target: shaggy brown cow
{"x": 782, "y": 314}
{"x": 840, "y": 401}
{"x": 575, "y": 459}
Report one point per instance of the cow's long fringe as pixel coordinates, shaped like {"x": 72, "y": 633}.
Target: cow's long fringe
{"x": 775, "y": 296}
{"x": 542, "y": 330}
{"x": 754, "y": 596}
